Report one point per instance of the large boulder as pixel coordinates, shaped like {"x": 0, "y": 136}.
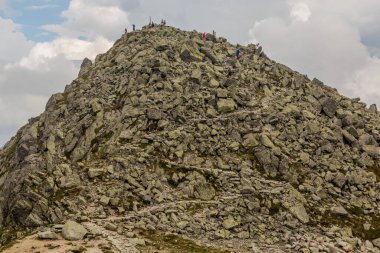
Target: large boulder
{"x": 373, "y": 108}
{"x": 299, "y": 211}
{"x": 372, "y": 150}
{"x": 376, "y": 242}
{"x": 94, "y": 172}
{"x": 226, "y": 105}
{"x": 210, "y": 55}
{"x": 47, "y": 235}
{"x": 188, "y": 55}
{"x": 73, "y": 231}
{"x": 329, "y": 106}
{"x": 348, "y": 137}
{"x": 205, "y": 191}
{"x": 154, "y": 114}
{"x": 85, "y": 66}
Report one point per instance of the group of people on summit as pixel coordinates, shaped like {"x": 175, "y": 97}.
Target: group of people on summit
{"x": 204, "y": 36}
{"x": 150, "y": 25}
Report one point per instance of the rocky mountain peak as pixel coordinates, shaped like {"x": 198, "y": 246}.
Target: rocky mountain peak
{"x": 172, "y": 135}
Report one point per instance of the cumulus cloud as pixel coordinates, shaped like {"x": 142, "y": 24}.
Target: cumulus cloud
{"x": 41, "y": 7}
{"x": 26, "y": 84}
{"x": 3, "y": 5}
{"x": 71, "y": 49}
{"x": 300, "y": 12}
{"x": 365, "y": 81}
{"x": 327, "y": 44}
{"x": 5, "y": 9}
{"x": 15, "y": 110}
{"x": 16, "y": 45}
{"x": 91, "y": 19}
{"x": 51, "y": 76}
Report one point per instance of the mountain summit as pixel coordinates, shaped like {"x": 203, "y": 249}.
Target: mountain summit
{"x": 177, "y": 142}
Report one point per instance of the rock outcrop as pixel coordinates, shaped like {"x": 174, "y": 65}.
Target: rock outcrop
{"x": 169, "y": 133}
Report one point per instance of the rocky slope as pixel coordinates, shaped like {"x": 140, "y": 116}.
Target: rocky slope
{"x": 168, "y": 137}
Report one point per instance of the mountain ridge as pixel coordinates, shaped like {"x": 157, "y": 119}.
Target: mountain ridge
{"x": 167, "y": 132}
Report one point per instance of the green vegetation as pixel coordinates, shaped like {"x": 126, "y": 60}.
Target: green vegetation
{"x": 355, "y": 220}
{"x": 174, "y": 243}
{"x": 61, "y": 193}
{"x": 8, "y": 237}
{"x": 375, "y": 170}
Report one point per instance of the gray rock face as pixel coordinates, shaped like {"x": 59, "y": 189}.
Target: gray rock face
{"x": 373, "y": 108}
{"x": 47, "y": 235}
{"x": 226, "y": 105}
{"x": 348, "y": 137}
{"x": 328, "y": 106}
{"x": 94, "y": 172}
{"x": 73, "y": 231}
{"x": 205, "y": 191}
{"x": 339, "y": 210}
{"x": 372, "y": 150}
{"x": 299, "y": 211}
{"x": 376, "y": 243}
{"x": 85, "y": 66}
{"x": 188, "y": 55}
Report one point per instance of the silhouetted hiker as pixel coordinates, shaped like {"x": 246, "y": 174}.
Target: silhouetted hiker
{"x": 238, "y": 54}
{"x": 134, "y": 27}
{"x": 203, "y": 36}
{"x": 126, "y": 31}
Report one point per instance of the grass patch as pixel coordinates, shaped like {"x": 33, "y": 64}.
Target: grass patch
{"x": 355, "y": 220}
{"x": 173, "y": 244}
{"x": 375, "y": 170}
{"x": 61, "y": 193}
{"x": 8, "y": 237}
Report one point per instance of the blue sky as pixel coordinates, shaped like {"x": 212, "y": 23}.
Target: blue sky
{"x": 32, "y": 15}
{"x": 44, "y": 40}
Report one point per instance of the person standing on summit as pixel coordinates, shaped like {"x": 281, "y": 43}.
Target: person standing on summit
{"x": 134, "y": 27}
{"x": 238, "y": 54}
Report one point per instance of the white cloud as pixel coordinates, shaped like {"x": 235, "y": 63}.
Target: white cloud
{"x": 15, "y": 110}
{"x": 4, "y": 8}
{"x": 3, "y": 4}
{"x": 41, "y": 7}
{"x": 20, "y": 111}
{"x": 328, "y": 46}
{"x": 16, "y": 45}
{"x": 91, "y": 19}
{"x": 70, "y": 48}
{"x": 51, "y": 76}
{"x": 300, "y": 12}
{"x": 365, "y": 82}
